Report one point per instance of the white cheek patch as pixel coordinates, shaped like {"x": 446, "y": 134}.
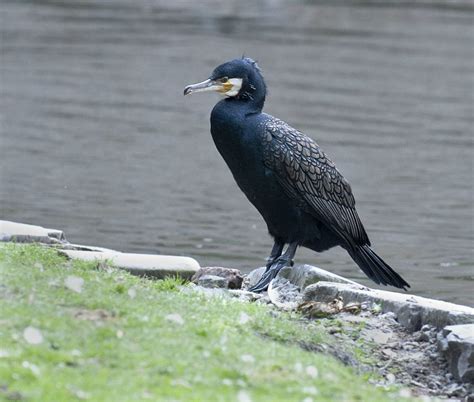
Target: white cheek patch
{"x": 236, "y": 85}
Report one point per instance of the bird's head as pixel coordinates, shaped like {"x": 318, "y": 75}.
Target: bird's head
{"x": 239, "y": 78}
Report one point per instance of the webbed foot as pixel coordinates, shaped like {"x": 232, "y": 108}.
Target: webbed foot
{"x": 270, "y": 273}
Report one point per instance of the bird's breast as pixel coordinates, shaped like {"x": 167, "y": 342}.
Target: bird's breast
{"x": 234, "y": 136}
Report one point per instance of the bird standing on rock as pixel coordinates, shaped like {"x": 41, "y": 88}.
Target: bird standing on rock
{"x": 304, "y": 200}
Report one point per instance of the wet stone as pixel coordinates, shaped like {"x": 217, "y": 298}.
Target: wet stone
{"x": 212, "y": 281}
{"x": 305, "y": 275}
{"x": 233, "y": 277}
{"x": 252, "y": 278}
{"x": 457, "y": 344}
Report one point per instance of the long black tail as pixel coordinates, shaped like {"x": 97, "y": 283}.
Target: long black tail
{"x": 375, "y": 268}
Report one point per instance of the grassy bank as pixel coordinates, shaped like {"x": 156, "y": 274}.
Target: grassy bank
{"x": 73, "y": 330}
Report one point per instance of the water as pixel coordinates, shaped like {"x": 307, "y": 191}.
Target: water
{"x": 97, "y": 139}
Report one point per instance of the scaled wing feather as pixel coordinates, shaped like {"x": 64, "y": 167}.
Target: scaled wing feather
{"x": 311, "y": 179}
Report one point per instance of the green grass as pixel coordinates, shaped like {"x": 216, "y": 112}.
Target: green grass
{"x": 114, "y": 341}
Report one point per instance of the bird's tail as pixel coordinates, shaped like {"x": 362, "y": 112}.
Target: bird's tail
{"x": 376, "y": 268}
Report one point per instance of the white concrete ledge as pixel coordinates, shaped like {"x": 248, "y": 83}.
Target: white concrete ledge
{"x": 22, "y": 232}
{"x": 156, "y": 266}
{"x": 412, "y": 311}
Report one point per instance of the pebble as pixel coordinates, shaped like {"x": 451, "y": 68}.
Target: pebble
{"x": 247, "y": 358}
{"x": 212, "y": 281}
{"x": 312, "y": 371}
{"x": 244, "y": 318}
{"x": 38, "y": 266}
{"x": 390, "y": 378}
{"x": 433, "y": 385}
{"x": 405, "y": 393}
{"x": 310, "y": 390}
{"x": 423, "y": 337}
{"x": 74, "y": 283}
{"x": 426, "y": 328}
{"x": 32, "y": 367}
{"x": 389, "y": 353}
{"x": 175, "y": 318}
{"x": 298, "y": 367}
{"x": 418, "y": 384}
{"x": 243, "y": 396}
{"x": 33, "y": 335}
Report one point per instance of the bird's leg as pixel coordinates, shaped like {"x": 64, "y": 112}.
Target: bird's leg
{"x": 275, "y": 253}
{"x": 283, "y": 261}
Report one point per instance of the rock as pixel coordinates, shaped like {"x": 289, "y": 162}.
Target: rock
{"x": 74, "y": 283}
{"x": 252, "y": 277}
{"x": 33, "y": 336}
{"x": 212, "y": 281}
{"x": 245, "y": 295}
{"x": 283, "y": 294}
{"x": 456, "y": 342}
{"x": 175, "y": 318}
{"x": 389, "y": 353}
{"x": 155, "y": 266}
{"x": 233, "y": 277}
{"x": 208, "y": 293}
{"x": 24, "y": 233}
{"x": 391, "y": 378}
{"x": 244, "y": 318}
{"x": 305, "y": 275}
{"x": 378, "y": 336}
{"x": 301, "y": 276}
{"x": 412, "y": 311}
{"x": 423, "y": 336}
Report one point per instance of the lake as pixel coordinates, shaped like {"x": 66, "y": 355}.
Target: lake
{"x": 98, "y": 140}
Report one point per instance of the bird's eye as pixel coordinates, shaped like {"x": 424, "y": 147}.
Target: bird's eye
{"x": 223, "y": 80}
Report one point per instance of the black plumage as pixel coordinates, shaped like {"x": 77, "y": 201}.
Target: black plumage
{"x": 303, "y": 198}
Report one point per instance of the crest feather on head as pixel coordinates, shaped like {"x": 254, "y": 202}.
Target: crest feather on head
{"x": 253, "y": 63}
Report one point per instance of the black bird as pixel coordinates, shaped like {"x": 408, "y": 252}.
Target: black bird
{"x": 303, "y": 198}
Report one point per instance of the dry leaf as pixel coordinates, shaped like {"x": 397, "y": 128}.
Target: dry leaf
{"x": 314, "y": 309}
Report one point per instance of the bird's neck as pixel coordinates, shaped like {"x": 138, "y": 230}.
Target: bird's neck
{"x": 246, "y": 105}
{"x": 251, "y": 97}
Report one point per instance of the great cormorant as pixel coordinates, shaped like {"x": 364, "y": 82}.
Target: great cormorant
{"x": 303, "y": 198}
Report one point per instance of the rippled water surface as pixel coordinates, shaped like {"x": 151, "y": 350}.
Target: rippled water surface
{"x": 97, "y": 139}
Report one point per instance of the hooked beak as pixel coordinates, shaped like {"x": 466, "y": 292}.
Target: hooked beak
{"x": 205, "y": 86}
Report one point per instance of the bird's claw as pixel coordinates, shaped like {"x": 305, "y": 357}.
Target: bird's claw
{"x": 270, "y": 273}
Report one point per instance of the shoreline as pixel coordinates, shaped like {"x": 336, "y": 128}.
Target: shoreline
{"x": 427, "y": 341}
